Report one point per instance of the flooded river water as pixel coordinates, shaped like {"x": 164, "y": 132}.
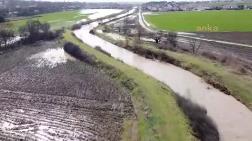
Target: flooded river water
{"x": 233, "y": 119}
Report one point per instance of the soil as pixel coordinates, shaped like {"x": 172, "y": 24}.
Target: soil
{"x": 237, "y": 37}
{"x": 230, "y": 55}
{"x": 69, "y": 101}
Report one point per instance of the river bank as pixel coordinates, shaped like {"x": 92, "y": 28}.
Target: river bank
{"x": 214, "y": 73}
{"x": 154, "y": 103}
{"x": 186, "y": 84}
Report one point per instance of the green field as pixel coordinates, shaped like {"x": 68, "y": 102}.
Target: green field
{"x": 202, "y": 21}
{"x": 56, "y": 19}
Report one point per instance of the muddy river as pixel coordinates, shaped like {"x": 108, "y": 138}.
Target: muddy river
{"x": 233, "y": 119}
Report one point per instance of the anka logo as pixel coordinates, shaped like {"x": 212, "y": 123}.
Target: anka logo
{"x": 207, "y": 28}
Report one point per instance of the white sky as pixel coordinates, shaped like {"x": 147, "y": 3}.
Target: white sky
{"x": 119, "y": 0}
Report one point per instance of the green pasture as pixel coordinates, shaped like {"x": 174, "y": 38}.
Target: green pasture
{"x": 202, "y": 21}
{"x": 56, "y": 19}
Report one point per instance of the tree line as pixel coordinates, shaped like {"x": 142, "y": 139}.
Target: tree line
{"x": 31, "y": 32}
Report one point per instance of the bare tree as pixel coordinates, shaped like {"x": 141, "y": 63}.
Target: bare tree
{"x": 34, "y": 31}
{"x": 119, "y": 29}
{"x": 106, "y": 28}
{"x": 124, "y": 26}
{"x": 195, "y": 45}
{"x": 140, "y": 30}
{"x": 139, "y": 34}
{"x": 126, "y": 41}
{"x": 6, "y": 35}
{"x": 125, "y": 31}
{"x": 172, "y": 38}
{"x": 45, "y": 28}
{"x": 31, "y": 30}
{"x": 157, "y": 37}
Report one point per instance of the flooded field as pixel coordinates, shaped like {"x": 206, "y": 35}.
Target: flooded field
{"x": 44, "y": 95}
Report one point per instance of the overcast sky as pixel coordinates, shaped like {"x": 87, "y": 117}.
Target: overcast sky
{"x": 119, "y": 0}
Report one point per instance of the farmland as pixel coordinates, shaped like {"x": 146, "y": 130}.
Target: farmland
{"x": 56, "y": 20}
{"x": 45, "y": 97}
{"x": 202, "y": 21}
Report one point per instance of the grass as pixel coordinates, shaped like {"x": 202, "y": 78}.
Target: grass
{"x": 237, "y": 85}
{"x": 56, "y": 20}
{"x": 193, "y": 21}
{"x": 157, "y": 115}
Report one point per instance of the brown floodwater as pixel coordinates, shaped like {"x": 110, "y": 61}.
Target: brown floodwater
{"x": 233, "y": 119}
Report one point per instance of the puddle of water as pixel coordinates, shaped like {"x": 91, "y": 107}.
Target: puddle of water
{"x": 7, "y": 126}
{"x": 50, "y": 58}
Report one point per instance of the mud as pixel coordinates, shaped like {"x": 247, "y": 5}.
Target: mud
{"x": 237, "y": 37}
{"x": 69, "y": 101}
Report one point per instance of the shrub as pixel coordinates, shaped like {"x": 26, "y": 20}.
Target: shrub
{"x": 5, "y": 36}
{"x": 76, "y": 26}
{"x": 150, "y": 54}
{"x": 202, "y": 126}
{"x": 209, "y": 55}
{"x": 76, "y": 52}
{"x": 34, "y": 31}
{"x": 172, "y": 38}
{"x": 92, "y": 32}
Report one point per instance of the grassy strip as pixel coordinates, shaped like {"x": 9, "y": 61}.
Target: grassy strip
{"x": 57, "y": 20}
{"x": 157, "y": 115}
{"x": 212, "y": 72}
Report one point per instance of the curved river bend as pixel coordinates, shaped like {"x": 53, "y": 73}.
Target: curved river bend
{"x": 233, "y": 119}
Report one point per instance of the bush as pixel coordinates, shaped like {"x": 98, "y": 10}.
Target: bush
{"x": 6, "y": 35}
{"x": 34, "y": 31}
{"x": 209, "y": 55}
{"x": 150, "y": 54}
{"x": 76, "y": 26}
{"x": 172, "y": 38}
{"x": 202, "y": 126}
{"x": 92, "y": 32}
{"x": 2, "y": 19}
{"x": 76, "y": 52}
